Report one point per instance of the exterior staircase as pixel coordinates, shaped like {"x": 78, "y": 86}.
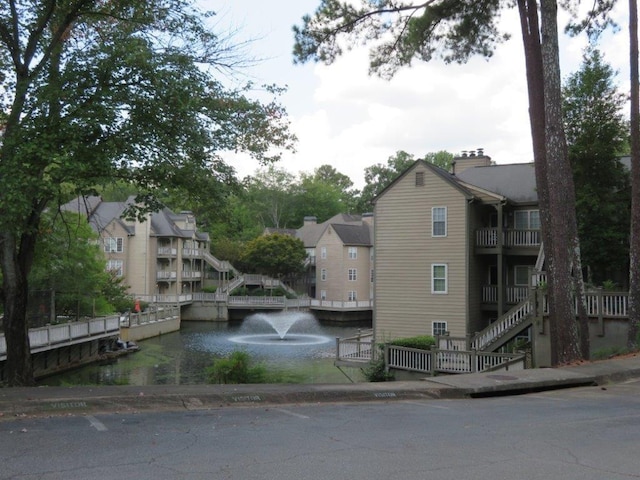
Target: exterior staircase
{"x": 240, "y": 279}
{"x": 506, "y": 328}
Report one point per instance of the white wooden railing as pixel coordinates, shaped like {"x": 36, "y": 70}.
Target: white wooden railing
{"x": 514, "y": 293}
{"x": 488, "y": 237}
{"x": 507, "y": 322}
{"x": 359, "y": 348}
{"x": 449, "y": 361}
{"x": 44, "y": 338}
{"x": 132, "y": 319}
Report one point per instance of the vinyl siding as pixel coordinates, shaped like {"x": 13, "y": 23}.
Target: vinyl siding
{"x": 406, "y": 250}
{"x": 337, "y": 265}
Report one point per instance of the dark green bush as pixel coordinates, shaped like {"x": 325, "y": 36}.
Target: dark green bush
{"x": 236, "y": 369}
{"x": 421, "y": 342}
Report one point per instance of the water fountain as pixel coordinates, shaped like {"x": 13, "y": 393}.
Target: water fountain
{"x": 283, "y": 328}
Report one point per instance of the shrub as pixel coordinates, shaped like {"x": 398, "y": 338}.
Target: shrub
{"x": 421, "y": 342}
{"x": 375, "y": 371}
{"x": 236, "y": 369}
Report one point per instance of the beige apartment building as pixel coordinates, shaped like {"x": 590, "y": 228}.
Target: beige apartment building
{"x": 340, "y": 257}
{"x": 455, "y": 250}
{"x": 165, "y": 254}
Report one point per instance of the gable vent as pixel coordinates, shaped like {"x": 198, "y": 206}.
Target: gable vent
{"x": 419, "y": 179}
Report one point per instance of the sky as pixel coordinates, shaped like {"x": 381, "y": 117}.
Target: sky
{"x": 347, "y": 119}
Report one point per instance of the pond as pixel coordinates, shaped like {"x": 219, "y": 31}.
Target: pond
{"x": 303, "y": 354}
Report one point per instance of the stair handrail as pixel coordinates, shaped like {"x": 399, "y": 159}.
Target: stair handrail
{"x": 504, "y": 324}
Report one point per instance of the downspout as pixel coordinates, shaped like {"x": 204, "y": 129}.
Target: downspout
{"x": 500, "y": 250}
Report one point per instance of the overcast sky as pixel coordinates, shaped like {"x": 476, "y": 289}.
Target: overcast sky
{"x": 349, "y": 120}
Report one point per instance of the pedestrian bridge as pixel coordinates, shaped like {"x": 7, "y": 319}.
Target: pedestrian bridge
{"x": 248, "y": 302}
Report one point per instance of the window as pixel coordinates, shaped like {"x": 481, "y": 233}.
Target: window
{"x": 114, "y": 245}
{"x": 323, "y": 294}
{"x": 439, "y": 221}
{"x": 439, "y": 328}
{"x": 372, "y": 277}
{"x": 527, "y": 219}
{"x": 323, "y": 274}
{"x": 115, "y": 266}
{"x": 353, "y": 253}
{"x": 353, "y": 274}
{"x": 521, "y": 275}
{"x": 352, "y": 296}
{"x": 419, "y": 179}
{"x": 438, "y": 278}
{"x": 323, "y": 252}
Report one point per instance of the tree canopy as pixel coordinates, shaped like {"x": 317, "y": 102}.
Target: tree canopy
{"x": 597, "y": 134}
{"x": 275, "y": 255}
{"x": 95, "y": 91}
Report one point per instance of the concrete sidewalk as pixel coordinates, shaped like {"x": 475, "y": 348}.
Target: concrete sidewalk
{"x": 39, "y": 401}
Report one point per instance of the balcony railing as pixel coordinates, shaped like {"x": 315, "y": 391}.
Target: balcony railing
{"x": 514, "y": 294}
{"x": 488, "y": 237}
{"x": 191, "y": 252}
{"x": 167, "y": 252}
{"x": 191, "y": 274}
{"x": 166, "y": 275}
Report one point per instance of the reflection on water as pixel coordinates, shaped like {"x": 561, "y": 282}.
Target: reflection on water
{"x": 182, "y": 357}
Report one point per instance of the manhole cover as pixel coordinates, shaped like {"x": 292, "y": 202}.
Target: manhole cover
{"x": 502, "y": 377}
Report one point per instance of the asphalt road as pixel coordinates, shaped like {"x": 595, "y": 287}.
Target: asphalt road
{"x": 589, "y": 433}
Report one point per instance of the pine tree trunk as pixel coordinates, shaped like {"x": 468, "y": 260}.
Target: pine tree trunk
{"x": 554, "y": 180}
{"x": 634, "y": 250}
{"x": 562, "y": 212}
{"x": 530, "y": 28}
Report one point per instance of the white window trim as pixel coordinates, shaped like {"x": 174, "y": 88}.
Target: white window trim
{"x": 352, "y": 275}
{"x": 323, "y": 253}
{"x": 323, "y": 294}
{"x": 528, "y": 213}
{"x": 116, "y": 242}
{"x": 352, "y": 296}
{"x": 323, "y": 275}
{"x": 353, "y": 253}
{"x": 433, "y": 327}
{"x": 116, "y": 266}
{"x": 433, "y": 221}
{"x": 446, "y": 279}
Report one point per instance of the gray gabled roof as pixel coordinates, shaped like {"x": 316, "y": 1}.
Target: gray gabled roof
{"x": 100, "y": 214}
{"x": 516, "y": 181}
{"x": 310, "y": 234}
{"x": 354, "y": 234}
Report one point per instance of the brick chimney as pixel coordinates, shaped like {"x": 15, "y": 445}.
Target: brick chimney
{"x": 470, "y": 159}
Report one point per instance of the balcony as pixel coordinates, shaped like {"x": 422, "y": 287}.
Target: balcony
{"x": 191, "y": 274}
{"x": 191, "y": 253}
{"x": 487, "y": 238}
{"x": 514, "y": 294}
{"x": 167, "y": 275}
{"x": 167, "y": 252}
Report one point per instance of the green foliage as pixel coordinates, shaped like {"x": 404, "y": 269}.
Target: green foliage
{"x": 69, "y": 262}
{"x": 236, "y": 369}
{"x": 268, "y": 196}
{"x": 421, "y": 342}
{"x": 96, "y": 92}
{"x": 376, "y": 371}
{"x": 608, "y": 352}
{"x": 377, "y": 177}
{"x": 596, "y": 134}
{"x": 400, "y": 32}
{"x": 275, "y": 255}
